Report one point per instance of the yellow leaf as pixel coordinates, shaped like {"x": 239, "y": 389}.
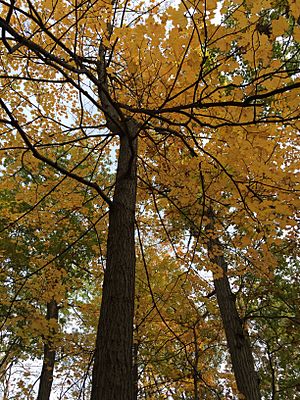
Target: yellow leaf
{"x": 279, "y": 27}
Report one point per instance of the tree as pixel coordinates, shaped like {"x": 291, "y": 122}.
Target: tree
{"x": 41, "y": 269}
{"x": 273, "y": 310}
{"x": 176, "y": 327}
{"x": 220, "y": 99}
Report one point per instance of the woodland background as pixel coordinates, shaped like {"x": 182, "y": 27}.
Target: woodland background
{"x": 149, "y": 170}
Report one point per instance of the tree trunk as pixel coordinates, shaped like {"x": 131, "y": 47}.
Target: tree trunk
{"x": 46, "y": 378}
{"x": 237, "y": 340}
{"x": 112, "y": 372}
{"x": 237, "y": 337}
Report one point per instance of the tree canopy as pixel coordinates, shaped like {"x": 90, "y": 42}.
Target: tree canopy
{"x": 149, "y": 170}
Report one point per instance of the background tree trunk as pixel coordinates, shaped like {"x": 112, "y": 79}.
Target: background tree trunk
{"x": 112, "y": 372}
{"x": 46, "y": 378}
{"x": 237, "y": 336}
{"x": 237, "y": 340}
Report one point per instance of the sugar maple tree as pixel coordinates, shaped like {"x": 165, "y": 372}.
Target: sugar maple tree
{"x": 177, "y": 332}
{"x": 273, "y": 310}
{"x": 43, "y": 269}
{"x": 208, "y": 111}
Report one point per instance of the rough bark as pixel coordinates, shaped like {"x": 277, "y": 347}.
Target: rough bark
{"x": 238, "y": 341}
{"x": 46, "y": 378}
{"x": 237, "y": 336}
{"x": 112, "y": 372}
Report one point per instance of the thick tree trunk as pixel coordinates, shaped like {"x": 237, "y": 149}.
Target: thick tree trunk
{"x": 112, "y": 372}
{"x": 46, "y": 378}
{"x": 237, "y": 337}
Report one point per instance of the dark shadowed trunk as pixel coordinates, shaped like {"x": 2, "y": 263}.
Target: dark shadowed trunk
{"x": 237, "y": 337}
{"x": 112, "y": 372}
{"x": 46, "y": 378}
